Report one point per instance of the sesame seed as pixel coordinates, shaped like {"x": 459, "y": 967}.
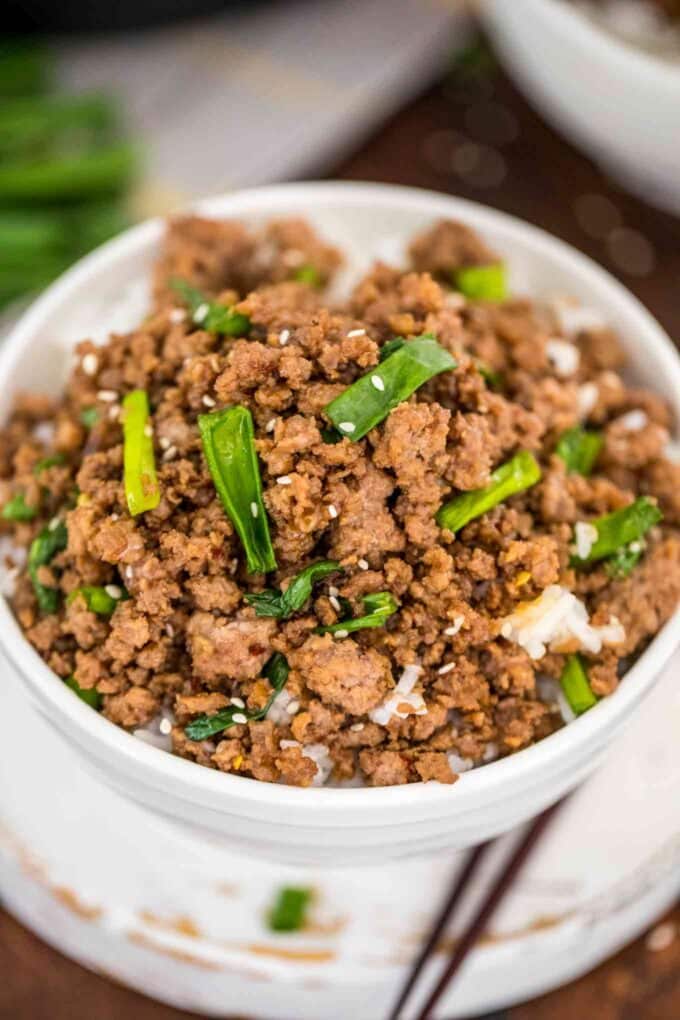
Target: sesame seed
{"x": 114, "y": 412}
{"x": 169, "y": 630}
{"x": 90, "y": 364}
{"x": 332, "y": 511}
{"x": 271, "y": 425}
{"x": 333, "y": 599}
{"x": 238, "y": 702}
{"x": 170, "y": 453}
{"x": 113, "y": 517}
{"x": 284, "y": 337}
{"x": 129, "y": 573}
{"x": 458, "y": 622}
{"x": 164, "y": 443}
{"x": 208, "y": 401}
{"x": 148, "y": 430}
{"x": 357, "y": 727}
{"x": 356, "y": 332}
{"x": 362, "y": 564}
{"x": 347, "y": 426}
{"x": 114, "y": 591}
{"x": 201, "y": 312}
{"x": 293, "y": 707}
{"x": 341, "y": 633}
{"x": 177, "y": 315}
{"x": 107, "y": 396}
{"x": 284, "y": 480}
{"x": 240, "y": 718}
{"x": 446, "y": 669}
{"x": 54, "y": 524}
{"x": 254, "y": 509}
{"x": 332, "y": 590}
{"x": 165, "y": 726}
{"x": 377, "y": 382}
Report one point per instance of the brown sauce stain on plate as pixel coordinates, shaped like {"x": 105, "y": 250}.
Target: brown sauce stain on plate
{"x": 294, "y": 955}
{"x": 140, "y": 939}
{"x": 69, "y": 899}
{"x": 181, "y": 925}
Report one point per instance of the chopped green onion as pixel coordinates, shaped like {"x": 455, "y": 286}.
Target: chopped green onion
{"x": 482, "y": 283}
{"x": 229, "y": 445}
{"x": 210, "y": 315}
{"x": 68, "y": 177}
{"x": 308, "y": 274}
{"x": 576, "y": 686}
{"x": 276, "y": 670}
{"x": 620, "y": 528}
{"x": 379, "y": 606}
{"x": 289, "y": 909}
{"x": 493, "y": 379}
{"x": 392, "y": 346}
{"x": 142, "y": 491}
{"x": 32, "y": 125}
{"x": 51, "y": 540}
{"x": 622, "y": 563}
{"x": 17, "y": 509}
{"x": 579, "y": 449}
{"x": 331, "y": 436}
{"x": 282, "y": 604}
{"x": 371, "y": 398}
{"x": 25, "y": 67}
{"x": 516, "y": 475}
{"x": 97, "y": 599}
{"x": 89, "y": 416}
{"x": 89, "y": 695}
{"x": 47, "y": 462}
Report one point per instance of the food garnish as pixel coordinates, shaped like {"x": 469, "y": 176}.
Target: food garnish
{"x": 17, "y": 509}
{"x": 369, "y": 400}
{"x": 99, "y": 600}
{"x": 579, "y": 448}
{"x": 482, "y": 283}
{"x": 211, "y": 315}
{"x": 289, "y": 909}
{"x": 229, "y": 444}
{"x": 282, "y": 604}
{"x": 142, "y": 491}
{"x": 276, "y": 670}
{"x": 516, "y": 475}
{"x": 308, "y": 274}
{"x": 617, "y": 530}
{"x": 89, "y": 695}
{"x": 576, "y": 686}
{"x": 51, "y": 540}
{"x": 379, "y": 606}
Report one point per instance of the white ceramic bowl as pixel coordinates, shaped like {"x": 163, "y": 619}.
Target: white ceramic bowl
{"x": 330, "y": 825}
{"x": 619, "y": 103}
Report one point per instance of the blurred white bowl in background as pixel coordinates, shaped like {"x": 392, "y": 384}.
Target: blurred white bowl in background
{"x": 618, "y": 102}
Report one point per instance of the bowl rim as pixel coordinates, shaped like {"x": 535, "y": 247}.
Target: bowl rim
{"x": 165, "y": 770}
{"x": 587, "y": 34}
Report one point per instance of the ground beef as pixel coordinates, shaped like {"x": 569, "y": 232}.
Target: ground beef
{"x": 182, "y": 641}
{"x": 342, "y": 673}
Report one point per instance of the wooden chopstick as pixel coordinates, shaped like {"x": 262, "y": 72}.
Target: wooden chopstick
{"x": 459, "y": 886}
{"x": 481, "y": 918}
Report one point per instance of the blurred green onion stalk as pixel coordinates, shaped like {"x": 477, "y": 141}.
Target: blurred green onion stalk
{"x": 65, "y": 169}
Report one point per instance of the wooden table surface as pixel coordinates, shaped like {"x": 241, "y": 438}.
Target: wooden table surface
{"x": 482, "y": 141}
